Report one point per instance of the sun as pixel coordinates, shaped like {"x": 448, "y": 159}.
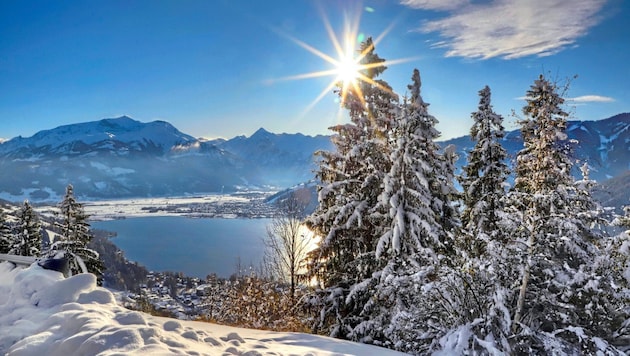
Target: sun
{"x": 347, "y": 70}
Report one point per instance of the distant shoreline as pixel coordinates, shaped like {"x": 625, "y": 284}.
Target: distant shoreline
{"x": 245, "y": 205}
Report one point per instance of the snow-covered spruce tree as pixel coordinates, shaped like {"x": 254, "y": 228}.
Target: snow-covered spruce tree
{"x": 471, "y": 298}
{"x": 483, "y": 179}
{"x": 419, "y": 238}
{"x": 563, "y": 303}
{"x": 75, "y": 237}
{"x": 6, "y": 236}
{"x": 618, "y": 249}
{"x": 615, "y": 263}
{"x": 351, "y": 182}
{"x": 27, "y": 240}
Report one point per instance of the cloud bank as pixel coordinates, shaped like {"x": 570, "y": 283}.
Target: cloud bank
{"x": 508, "y": 29}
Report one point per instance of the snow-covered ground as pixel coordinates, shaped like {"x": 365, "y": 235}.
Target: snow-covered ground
{"x": 43, "y": 313}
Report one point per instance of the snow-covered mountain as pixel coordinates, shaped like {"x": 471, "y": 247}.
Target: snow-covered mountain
{"x": 603, "y": 144}
{"x": 115, "y": 158}
{"x": 281, "y": 156}
{"x": 123, "y": 157}
{"x": 119, "y": 136}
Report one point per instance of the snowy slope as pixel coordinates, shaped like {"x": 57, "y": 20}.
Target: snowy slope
{"x": 41, "y": 313}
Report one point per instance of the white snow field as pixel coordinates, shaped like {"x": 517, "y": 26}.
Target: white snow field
{"x": 43, "y": 313}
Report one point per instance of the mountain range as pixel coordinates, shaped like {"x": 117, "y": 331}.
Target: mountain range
{"x": 123, "y": 158}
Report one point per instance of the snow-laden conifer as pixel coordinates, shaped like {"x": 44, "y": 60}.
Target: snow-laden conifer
{"x": 484, "y": 178}
{"x": 347, "y": 218}
{"x": 416, "y": 242}
{"x": 403, "y": 233}
{"x": 75, "y": 237}
{"x": 560, "y": 293}
{"x": 407, "y": 193}
{"x": 6, "y": 236}
{"x": 27, "y": 240}
{"x": 470, "y": 300}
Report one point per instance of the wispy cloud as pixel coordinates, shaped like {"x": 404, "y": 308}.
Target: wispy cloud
{"x": 583, "y": 99}
{"x": 508, "y": 28}
{"x": 591, "y": 99}
{"x": 435, "y": 4}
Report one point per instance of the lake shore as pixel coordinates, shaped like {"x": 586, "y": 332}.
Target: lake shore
{"x": 242, "y": 205}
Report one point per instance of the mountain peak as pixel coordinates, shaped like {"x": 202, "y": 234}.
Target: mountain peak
{"x": 261, "y": 132}
{"x": 123, "y": 122}
{"x": 123, "y": 118}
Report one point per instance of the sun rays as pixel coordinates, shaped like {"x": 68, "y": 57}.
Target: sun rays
{"x": 348, "y": 71}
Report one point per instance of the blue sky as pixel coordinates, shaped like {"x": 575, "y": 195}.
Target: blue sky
{"x": 218, "y": 68}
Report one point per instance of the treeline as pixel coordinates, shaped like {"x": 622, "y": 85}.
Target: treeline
{"x": 29, "y": 234}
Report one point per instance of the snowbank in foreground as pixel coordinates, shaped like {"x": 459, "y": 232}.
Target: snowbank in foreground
{"x": 41, "y": 313}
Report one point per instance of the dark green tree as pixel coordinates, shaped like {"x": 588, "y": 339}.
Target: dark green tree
{"x": 484, "y": 178}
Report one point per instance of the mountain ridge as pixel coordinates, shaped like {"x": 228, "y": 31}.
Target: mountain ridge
{"x": 112, "y": 132}
{"x": 122, "y": 157}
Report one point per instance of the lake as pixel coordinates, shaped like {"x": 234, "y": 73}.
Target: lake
{"x": 196, "y": 247}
